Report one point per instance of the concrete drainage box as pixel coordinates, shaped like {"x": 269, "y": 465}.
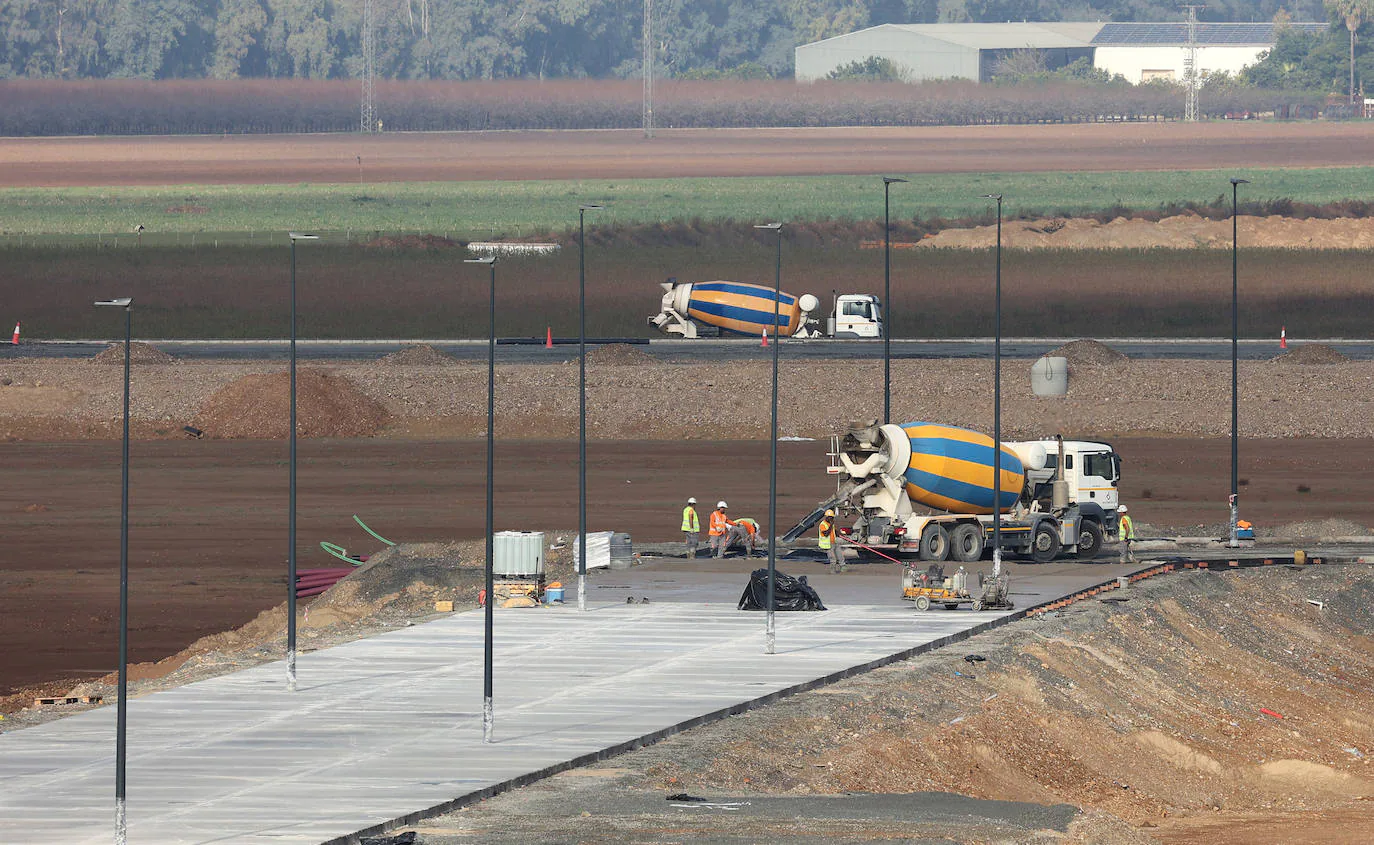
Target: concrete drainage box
{"x": 517, "y": 554}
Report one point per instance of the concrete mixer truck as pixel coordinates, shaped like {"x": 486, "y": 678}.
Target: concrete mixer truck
{"x": 927, "y": 490}
{"x": 712, "y": 309}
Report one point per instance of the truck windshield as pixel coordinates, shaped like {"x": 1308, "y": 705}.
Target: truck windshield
{"x": 856, "y": 309}
{"x": 1099, "y": 464}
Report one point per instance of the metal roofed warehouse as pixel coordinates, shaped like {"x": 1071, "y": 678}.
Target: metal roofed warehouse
{"x": 1138, "y": 51}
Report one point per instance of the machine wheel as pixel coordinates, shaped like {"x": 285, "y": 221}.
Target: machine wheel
{"x": 934, "y": 542}
{"x": 923, "y": 602}
{"x": 1089, "y": 540}
{"x": 1045, "y": 543}
{"x": 977, "y": 605}
{"x": 966, "y": 543}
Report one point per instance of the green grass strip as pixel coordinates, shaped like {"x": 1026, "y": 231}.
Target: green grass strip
{"x": 491, "y": 209}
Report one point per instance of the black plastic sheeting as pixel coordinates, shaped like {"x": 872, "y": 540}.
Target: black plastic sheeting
{"x": 788, "y": 593}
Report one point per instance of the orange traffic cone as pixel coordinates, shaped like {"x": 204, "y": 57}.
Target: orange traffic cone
{"x": 548, "y": 338}
{"x": 15, "y": 340}
{"x": 1283, "y": 337}
{"x": 765, "y": 337}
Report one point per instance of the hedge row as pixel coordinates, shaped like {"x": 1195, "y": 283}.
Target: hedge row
{"x": 136, "y": 107}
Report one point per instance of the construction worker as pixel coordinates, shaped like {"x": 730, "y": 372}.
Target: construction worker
{"x": 1127, "y": 531}
{"x": 691, "y": 527}
{"x": 718, "y": 530}
{"x": 746, "y": 533}
{"x": 828, "y": 542}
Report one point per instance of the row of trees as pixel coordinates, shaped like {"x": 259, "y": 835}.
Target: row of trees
{"x": 492, "y": 39}
{"x": 43, "y": 107}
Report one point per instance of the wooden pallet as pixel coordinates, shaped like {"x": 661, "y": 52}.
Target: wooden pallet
{"x": 71, "y": 699}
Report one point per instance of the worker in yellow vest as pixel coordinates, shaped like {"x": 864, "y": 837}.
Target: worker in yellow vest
{"x": 691, "y": 527}
{"x": 1127, "y": 532}
{"x": 828, "y": 543}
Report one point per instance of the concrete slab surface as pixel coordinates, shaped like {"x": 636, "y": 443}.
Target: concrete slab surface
{"x": 389, "y": 726}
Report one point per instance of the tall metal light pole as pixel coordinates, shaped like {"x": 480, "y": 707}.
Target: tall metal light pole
{"x": 1235, "y": 366}
{"x": 887, "y": 300}
{"x": 997, "y": 400}
{"x": 769, "y": 635}
{"x": 582, "y": 403}
{"x": 122, "y": 705}
{"x": 291, "y": 510}
{"x": 488, "y": 713}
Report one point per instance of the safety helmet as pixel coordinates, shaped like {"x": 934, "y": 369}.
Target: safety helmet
{"x": 829, "y": 513}
{"x": 1122, "y": 509}
{"x": 722, "y": 505}
{"x": 691, "y": 500}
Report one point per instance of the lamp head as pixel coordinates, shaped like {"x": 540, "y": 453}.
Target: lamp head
{"x": 122, "y": 302}
{"x": 888, "y": 180}
{"x": 997, "y": 197}
{"x": 1235, "y": 181}
{"x": 590, "y": 207}
{"x": 777, "y": 227}
{"x": 297, "y": 236}
{"x": 486, "y": 259}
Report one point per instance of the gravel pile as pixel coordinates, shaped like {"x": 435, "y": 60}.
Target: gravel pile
{"x": 1081, "y": 352}
{"x": 1317, "y": 530}
{"x": 620, "y": 354}
{"x": 1311, "y": 353}
{"x": 258, "y": 406}
{"x": 727, "y": 400}
{"x": 139, "y": 353}
{"x": 422, "y": 355}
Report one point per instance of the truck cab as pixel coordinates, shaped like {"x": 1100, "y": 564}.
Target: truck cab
{"x": 1092, "y": 472}
{"x": 856, "y": 315}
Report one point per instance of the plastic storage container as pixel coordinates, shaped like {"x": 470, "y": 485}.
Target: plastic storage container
{"x": 518, "y": 553}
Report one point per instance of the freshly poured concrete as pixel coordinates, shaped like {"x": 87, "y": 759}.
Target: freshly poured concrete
{"x": 388, "y": 726}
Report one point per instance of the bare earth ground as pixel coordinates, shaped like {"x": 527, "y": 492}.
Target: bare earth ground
{"x": 625, "y": 154}
{"x": 1145, "y": 715}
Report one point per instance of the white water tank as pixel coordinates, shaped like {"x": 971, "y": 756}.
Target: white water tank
{"x": 517, "y": 553}
{"x": 1050, "y": 376}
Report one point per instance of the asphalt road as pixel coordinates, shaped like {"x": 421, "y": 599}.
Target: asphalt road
{"x": 533, "y": 351}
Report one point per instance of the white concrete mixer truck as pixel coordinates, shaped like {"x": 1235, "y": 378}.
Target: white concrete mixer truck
{"x": 714, "y": 309}
{"x": 928, "y": 490}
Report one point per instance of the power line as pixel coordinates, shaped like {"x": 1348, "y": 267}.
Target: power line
{"x": 368, "y": 114}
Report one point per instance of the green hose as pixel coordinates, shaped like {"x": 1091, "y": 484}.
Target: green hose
{"x": 370, "y": 531}
{"x": 340, "y": 552}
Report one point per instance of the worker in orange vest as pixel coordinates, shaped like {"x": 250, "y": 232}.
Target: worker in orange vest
{"x": 718, "y": 530}
{"x": 827, "y": 540}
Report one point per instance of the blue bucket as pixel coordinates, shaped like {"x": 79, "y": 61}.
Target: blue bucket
{"x": 553, "y": 594}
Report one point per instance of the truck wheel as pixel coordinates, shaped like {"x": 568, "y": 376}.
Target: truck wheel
{"x": 966, "y": 543}
{"x": 1089, "y": 540}
{"x": 1045, "y": 543}
{"x": 923, "y": 602}
{"x": 934, "y": 543}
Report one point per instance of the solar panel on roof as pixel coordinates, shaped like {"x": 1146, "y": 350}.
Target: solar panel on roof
{"x": 1207, "y": 33}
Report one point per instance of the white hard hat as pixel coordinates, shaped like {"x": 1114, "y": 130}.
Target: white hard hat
{"x": 1122, "y": 509}
{"x": 691, "y": 500}
{"x": 721, "y": 505}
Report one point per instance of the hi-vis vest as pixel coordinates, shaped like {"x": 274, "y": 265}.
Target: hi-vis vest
{"x": 718, "y": 524}
{"x": 827, "y": 533}
{"x": 689, "y": 520}
{"x": 1127, "y": 528}
{"x": 750, "y": 526}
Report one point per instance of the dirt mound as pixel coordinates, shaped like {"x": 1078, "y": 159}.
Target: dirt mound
{"x": 258, "y": 406}
{"x": 620, "y": 354}
{"x": 1088, "y": 352}
{"x": 139, "y": 353}
{"x": 422, "y": 355}
{"x": 1317, "y": 529}
{"x": 407, "y": 578}
{"x": 1311, "y": 353}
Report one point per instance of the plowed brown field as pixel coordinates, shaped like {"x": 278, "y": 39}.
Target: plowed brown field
{"x": 462, "y": 156}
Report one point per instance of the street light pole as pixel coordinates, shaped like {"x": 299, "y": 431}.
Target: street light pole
{"x": 997, "y": 400}
{"x": 1235, "y": 366}
{"x": 887, "y": 299}
{"x": 291, "y": 509}
{"x": 769, "y": 631}
{"x": 582, "y": 403}
{"x": 122, "y": 705}
{"x": 488, "y": 711}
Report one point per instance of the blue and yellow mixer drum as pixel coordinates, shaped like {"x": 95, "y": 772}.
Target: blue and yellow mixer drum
{"x": 746, "y": 308}
{"x": 952, "y": 469}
